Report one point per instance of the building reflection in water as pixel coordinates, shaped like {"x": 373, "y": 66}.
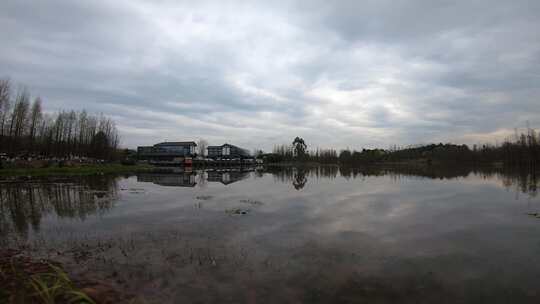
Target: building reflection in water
{"x": 189, "y": 178}
{"x": 172, "y": 180}
{"x": 228, "y": 177}
{"x": 24, "y": 204}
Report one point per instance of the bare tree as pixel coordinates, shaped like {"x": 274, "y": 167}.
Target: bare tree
{"x": 71, "y": 119}
{"x": 66, "y": 133}
{"x": 46, "y": 133}
{"x": 82, "y": 128}
{"x": 201, "y": 146}
{"x": 18, "y": 118}
{"x": 5, "y": 95}
{"x": 35, "y": 119}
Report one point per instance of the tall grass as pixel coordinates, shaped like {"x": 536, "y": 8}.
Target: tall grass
{"x": 51, "y": 287}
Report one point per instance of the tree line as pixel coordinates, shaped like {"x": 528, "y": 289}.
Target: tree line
{"x": 522, "y": 149}
{"x": 25, "y": 129}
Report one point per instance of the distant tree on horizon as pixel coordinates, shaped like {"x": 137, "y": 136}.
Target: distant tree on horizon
{"x": 202, "y": 144}
{"x": 300, "y": 147}
{"x": 26, "y": 129}
{"x": 5, "y": 106}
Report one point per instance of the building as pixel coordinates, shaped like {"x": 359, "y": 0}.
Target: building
{"x": 167, "y": 151}
{"x": 227, "y": 151}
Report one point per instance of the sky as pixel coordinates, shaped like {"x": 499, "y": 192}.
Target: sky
{"x": 356, "y": 74}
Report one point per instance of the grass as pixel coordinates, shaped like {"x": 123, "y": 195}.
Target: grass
{"x": 50, "y": 287}
{"x": 79, "y": 170}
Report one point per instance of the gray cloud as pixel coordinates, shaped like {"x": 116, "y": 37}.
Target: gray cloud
{"x": 342, "y": 74}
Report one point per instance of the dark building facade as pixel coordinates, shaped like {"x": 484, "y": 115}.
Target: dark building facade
{"x": 227, "y": 151}
{"x": 227, "y": 177}
{"x": 171, "y": 180}
{"x": 167, "y": 151}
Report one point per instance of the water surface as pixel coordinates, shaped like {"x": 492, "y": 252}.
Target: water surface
{"x": 289, "y": 235}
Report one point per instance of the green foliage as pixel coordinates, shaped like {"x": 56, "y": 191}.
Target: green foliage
{"x": 45, "y": 288}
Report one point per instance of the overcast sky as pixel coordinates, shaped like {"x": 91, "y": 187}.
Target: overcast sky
{"x": 337, "y": 73}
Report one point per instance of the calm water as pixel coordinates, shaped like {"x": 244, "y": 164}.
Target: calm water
{"x": 324, "y": 235}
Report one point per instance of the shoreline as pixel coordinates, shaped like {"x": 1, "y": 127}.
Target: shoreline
{"x": 112, "y": 168}
{"x": 32, "y": 280}
{"x": 416, "y": 162}
{"x": 75, "y": 170}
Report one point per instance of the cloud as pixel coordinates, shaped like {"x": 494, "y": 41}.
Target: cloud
{"x": 340, "y": 74}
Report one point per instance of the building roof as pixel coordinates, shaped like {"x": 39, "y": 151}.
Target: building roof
{"x": 177, "y": 143}
{"x": 224, "y": 145}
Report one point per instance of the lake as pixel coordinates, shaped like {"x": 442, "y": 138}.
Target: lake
{"x": 289, "y": 235}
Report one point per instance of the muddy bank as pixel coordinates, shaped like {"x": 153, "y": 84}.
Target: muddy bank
{"x": 29, "y": 280}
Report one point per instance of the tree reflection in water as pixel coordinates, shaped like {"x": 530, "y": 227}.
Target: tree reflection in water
{"x": 299, "y": 180}
{"x": 523, "y": 180}
{"x": 23, "y": 204}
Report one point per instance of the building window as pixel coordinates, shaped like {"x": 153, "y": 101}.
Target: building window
{"x": 226, "y": 150}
